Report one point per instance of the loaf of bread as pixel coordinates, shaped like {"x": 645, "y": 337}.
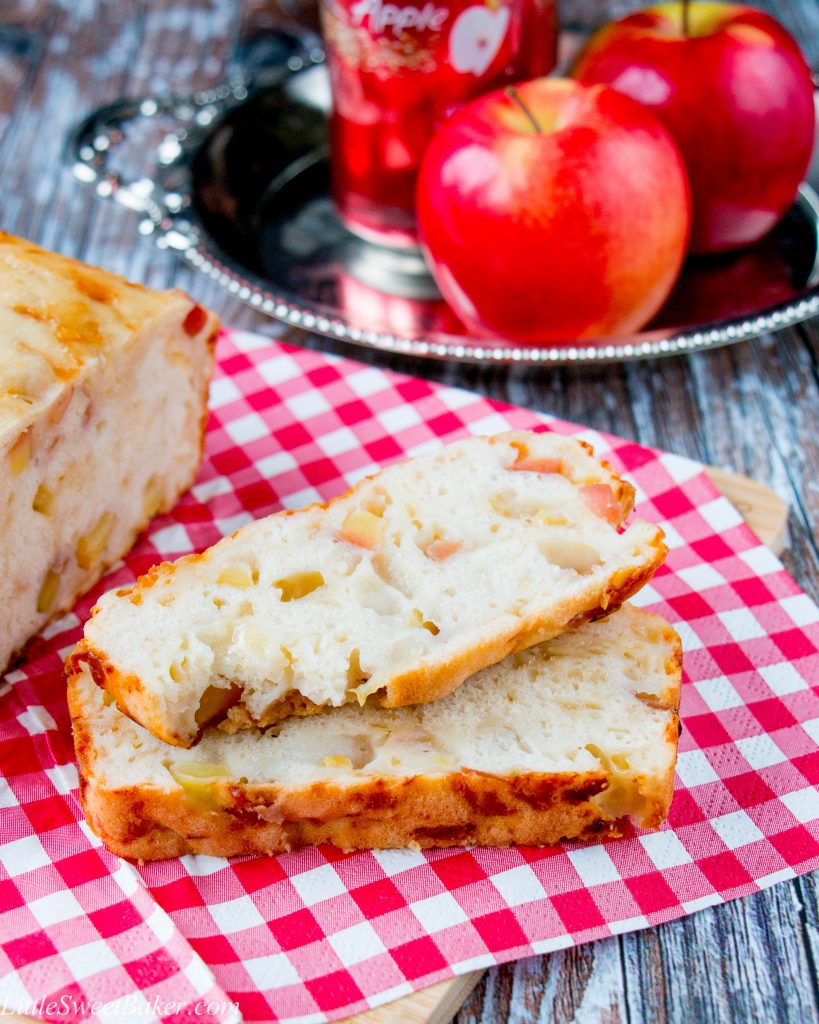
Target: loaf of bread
{"x": 568, "y": 740}
{"x": 103, "y": 391}
{"x": 397, "y": 591}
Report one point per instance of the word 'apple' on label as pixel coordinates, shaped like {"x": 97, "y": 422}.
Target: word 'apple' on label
{"x": 390, "y": 17}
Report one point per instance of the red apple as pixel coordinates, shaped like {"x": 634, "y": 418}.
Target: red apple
{"x": 733, "y": 89}
{"x": 553, "y": 211}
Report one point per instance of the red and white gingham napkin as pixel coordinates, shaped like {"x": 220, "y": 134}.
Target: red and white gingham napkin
{"x": 318, "y": 934}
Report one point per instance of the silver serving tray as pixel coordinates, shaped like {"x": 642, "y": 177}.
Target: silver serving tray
{"x": 235, "y": 180}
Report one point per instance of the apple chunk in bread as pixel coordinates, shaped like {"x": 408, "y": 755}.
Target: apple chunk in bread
{"x": 420, "y": 575}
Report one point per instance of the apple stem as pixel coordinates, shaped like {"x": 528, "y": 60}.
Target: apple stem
{"x": 685, "y": 22}
{"x": 514, "y": 95}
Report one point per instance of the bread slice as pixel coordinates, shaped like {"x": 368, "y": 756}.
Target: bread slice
{"x": 568, "y": 740}
{"x": 397, "y": 591}
{"x": 97, "y": 376}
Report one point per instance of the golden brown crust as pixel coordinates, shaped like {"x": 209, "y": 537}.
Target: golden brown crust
{"x": 58, "y": 314}
{"x": 460, "y": 809}
{"x": 128, "y": 691}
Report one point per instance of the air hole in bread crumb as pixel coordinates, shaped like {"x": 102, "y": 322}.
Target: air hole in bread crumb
{"x": 377, "y": 501}
{"x": 348, "y": 751}
{"x": 500, "y": 731}
{"x": 355, "y": 674}
{"x": 653, "y": 700}
{"x": 417, "y": 618}
{"x": 288, "y": 674}
{"x": 500, "y": 503}
{"x": 215, "y": 702}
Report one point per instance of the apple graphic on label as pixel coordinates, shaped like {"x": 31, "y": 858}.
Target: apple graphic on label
{"x": 476, "y": 38}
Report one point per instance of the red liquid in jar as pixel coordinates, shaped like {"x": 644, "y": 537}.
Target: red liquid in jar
{"x": 397, "y": 71}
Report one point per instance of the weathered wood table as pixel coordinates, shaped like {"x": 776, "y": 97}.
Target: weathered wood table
{"x": 753, "y": 408}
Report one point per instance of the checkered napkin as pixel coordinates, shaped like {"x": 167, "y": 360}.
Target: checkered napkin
{"x": 316, "y": 935}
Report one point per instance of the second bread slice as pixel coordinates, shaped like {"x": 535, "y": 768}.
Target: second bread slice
{"x": 394, "y": 593}
{"x": 570, "y": 740}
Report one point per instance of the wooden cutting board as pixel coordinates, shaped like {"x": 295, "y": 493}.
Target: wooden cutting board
{"x": 767, "y": 515}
